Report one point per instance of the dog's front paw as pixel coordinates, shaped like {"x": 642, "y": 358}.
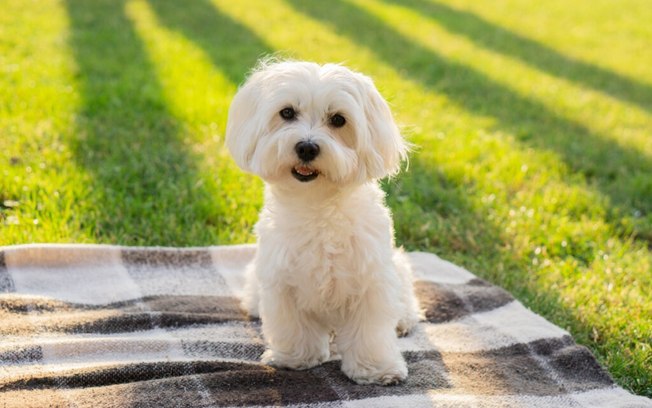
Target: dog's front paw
{"x": 387, "y": 374}
{"x": 282, "y": 360}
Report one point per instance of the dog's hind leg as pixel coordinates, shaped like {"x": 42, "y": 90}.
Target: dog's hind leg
{"x": 411, "y": 313}
{"x": 251, "y": 294}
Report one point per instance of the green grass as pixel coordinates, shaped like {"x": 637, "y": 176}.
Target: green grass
{"x": 532, "y": 121}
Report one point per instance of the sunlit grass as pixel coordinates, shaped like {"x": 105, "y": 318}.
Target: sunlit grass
{"x": 533, "y": 159}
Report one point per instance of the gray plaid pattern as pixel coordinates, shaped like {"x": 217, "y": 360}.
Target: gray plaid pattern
{"x": 106, "y": 326}
{"x": 6, "y": 284}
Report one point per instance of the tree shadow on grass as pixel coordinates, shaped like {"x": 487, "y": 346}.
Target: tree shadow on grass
{"x": 620, "y": 173}
{"x": 499, "y": 39}
{"x": 232, "y": 48}
{"x": 144, "y": 182}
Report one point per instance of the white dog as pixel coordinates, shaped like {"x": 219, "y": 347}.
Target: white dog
{"x": 321, "y": 136}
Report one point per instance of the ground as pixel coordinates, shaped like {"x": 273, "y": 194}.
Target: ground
{"x": 531, "y": 124}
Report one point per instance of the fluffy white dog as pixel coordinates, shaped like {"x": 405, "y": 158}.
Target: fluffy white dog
{"x": 321, "y": 136}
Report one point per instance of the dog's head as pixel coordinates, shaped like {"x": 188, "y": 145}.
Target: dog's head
{"x": 300, "y": 122}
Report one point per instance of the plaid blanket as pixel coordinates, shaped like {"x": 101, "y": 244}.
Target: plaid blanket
{"x": 107, "y": 326}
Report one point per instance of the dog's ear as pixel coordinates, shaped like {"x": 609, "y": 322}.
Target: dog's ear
{"x": 243, "y": 126}
{"x": 385, "y": 147}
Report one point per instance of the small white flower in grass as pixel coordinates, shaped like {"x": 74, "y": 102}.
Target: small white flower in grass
{"x": 10, "y": 203}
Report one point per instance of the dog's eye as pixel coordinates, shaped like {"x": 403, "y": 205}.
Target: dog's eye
{"x": 337, "y": 120}
{"x": 287, "y": 113}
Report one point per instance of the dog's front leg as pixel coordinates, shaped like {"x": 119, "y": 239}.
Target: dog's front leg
{"x": 368, "y": 344}
{"x": 295, "y": 339}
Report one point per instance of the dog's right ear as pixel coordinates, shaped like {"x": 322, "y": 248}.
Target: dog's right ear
{"x": 243, "y": 126}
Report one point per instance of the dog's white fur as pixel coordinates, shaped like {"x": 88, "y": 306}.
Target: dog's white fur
{"x": 326, "y": 261}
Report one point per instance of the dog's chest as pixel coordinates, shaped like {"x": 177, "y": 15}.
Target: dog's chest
{"x": 326, "y": 255}
{"x": 328, "y": 266}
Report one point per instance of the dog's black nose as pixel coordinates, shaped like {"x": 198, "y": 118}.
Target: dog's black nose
{"x": 307, "y": 151}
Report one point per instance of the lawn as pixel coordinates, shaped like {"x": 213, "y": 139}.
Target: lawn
{"x": 533, "y": 123}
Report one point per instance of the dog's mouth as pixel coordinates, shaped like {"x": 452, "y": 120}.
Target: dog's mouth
{"x": 304, "y": 173}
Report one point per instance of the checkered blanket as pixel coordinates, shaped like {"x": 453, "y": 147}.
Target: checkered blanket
{"x": 107, "y": 326}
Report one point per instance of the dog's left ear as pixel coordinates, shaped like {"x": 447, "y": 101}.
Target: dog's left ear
{"x": 385, "y": 147}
